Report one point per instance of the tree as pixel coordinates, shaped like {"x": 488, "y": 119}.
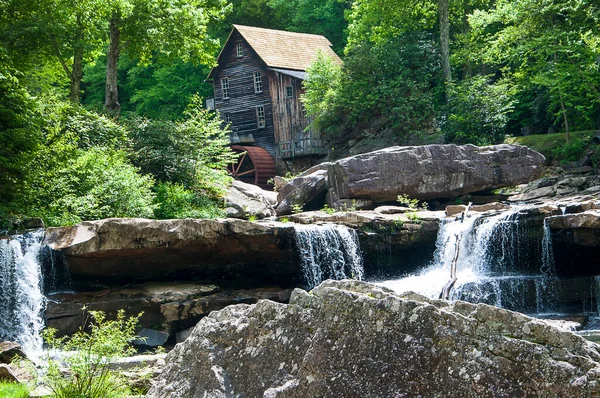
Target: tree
{"x": 69, "y": 32}
{"x": 549, "y": 44}
{"x": 19, "y": 131}
{"x": 165, "y": 29}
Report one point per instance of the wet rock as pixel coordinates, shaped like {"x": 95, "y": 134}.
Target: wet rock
{"x": 349, "y": 338}
{"x": 244, "y": 200}
{"x": 580, "y": 228}
{"x": 9, "y": 350}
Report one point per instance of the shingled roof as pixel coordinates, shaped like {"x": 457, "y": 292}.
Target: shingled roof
{"x": 285, "y": 50}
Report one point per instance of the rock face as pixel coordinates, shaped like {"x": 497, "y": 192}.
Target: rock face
{"x": 354, "y": 339}
{"x": 244, "y": 200}
{"x": 126, "y": 249}
{"x": 167, "y": 307}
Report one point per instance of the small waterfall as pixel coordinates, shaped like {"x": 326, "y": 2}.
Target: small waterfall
{"x": 489, "y": 248}
{"x": 328, "y": 252}
{"x": 21, "y": 298}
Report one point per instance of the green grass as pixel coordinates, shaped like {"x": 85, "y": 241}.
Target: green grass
{"x": 12, "y": 390}
{"x": 554, "y": 146}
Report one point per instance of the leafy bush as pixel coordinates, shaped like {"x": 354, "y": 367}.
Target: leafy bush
{"x": 97, "y": 183}
{"x": 13, "y": 390}
{"x": 174, "y": 201}
{"x": 90, "y": 356}
{"x": 479, "y": 111}
{"x": 194, "y": 152}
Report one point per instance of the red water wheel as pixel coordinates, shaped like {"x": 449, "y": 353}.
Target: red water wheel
{"x": 254, "y": 166}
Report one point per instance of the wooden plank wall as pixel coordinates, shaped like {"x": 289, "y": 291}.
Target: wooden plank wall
{"x": 243, "y": 100}
{"x": 289, "y": 120}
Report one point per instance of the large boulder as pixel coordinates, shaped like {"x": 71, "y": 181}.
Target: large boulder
{"x": 245, "y": 200}
{"x": 353, "y": 339}
{"x": 430, "y": 172}
{"x": 10, "y": 350}
{"x": 302, "y": 191}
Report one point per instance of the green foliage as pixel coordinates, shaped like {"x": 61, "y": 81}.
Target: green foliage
{"x": 19, "y": 133}
{"x": 552, "y": 146}
{"x": 320, "y": 85}
{"x": 94, "y": 184}
{"x": 414, "y": 217}
{"x": 90, "y": 356}
{"x": 193, "y": 152}
{"x": 174, "y": 201}
{"x": 548, "y": 44}
{"x": 393, "y": 84}
{"x": 284, "y": 220}
{"x": 252, "y": 217}
{"x": 328, "y": 210}
{"x": 479, "y": 111}
{"x": 411, "y": 203}
{"x": 13, "y": 390}
{"x": 297, "y": 208}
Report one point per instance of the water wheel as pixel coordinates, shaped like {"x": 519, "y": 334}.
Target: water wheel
{"x": 254, "y": 166}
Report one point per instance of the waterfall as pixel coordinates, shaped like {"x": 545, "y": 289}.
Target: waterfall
{"x": 328, "y": 252}
{"x": 489, "y": 247}
{"x": 21, "y": 298}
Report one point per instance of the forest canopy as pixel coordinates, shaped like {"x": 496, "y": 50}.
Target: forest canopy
{"x": 101, "y": 112}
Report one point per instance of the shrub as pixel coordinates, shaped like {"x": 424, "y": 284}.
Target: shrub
{"x": 90, "y": 356}
{"x": 193, "y": 152}
{"x": 175, "y": 201}
{"x": 97, "y": 183}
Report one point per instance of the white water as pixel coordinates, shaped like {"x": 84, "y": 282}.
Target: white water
{"x": 328, "y": 252}
{"x": 21, "y": 299}
{"x": 487, "y": 244}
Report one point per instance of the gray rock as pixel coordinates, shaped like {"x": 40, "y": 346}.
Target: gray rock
{"x": 581, "y": 229}
{"x": 151, "y": 337}
{"x": 183, "y": 335}
{"x": 10, "y": 350}
{"x": 301, "y": 191}
{"x": 353, "y": 339}
{"x": 279, "y": 183}
{"x": 244, "y": 200}
{"x": 431, "y": 171}
{"x": 393, "y": 210}
{"x": 7, "y": 375}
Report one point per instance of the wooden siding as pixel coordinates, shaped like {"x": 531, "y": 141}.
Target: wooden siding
{"x": 243, "y": 100}
{"x": 289, "y": 119}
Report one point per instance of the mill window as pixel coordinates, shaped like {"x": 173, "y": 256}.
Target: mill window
{"x": 289, "y": 91}
{"x": 257, "y": 82}
{"x": 227, "y": 117}
{"x": 239, "y": 50}
{"x": 225, "y": 88}
{"x": 260, "y": 116}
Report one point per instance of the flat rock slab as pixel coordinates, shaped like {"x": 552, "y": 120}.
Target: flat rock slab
{"x": 126, "y": 249}
{"x": 353, "y": 339}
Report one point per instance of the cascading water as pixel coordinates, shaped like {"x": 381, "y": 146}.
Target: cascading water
{"x": 328, "y": 252}
{"x": 21, "y": 298}
{"x": 488, "y": 249}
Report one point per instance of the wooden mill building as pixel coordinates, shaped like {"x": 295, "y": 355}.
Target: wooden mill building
{"x": 257, "y": 86}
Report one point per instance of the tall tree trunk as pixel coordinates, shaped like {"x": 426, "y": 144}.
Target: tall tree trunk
{"x": 111, "y": 99}
{"x": 76, "y": 73}
{"x": 445, "y": 40}
{"x": 564, "y": 113}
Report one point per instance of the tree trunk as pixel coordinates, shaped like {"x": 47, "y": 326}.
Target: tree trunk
{"x": 564, "y": 113}
{"x": 111, "y": 99}
{"x": 76, "y": 73}
{"x": 445, "y": 39}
